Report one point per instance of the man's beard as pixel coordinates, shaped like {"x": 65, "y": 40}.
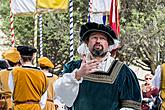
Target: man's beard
{"x": 98, "y": 52}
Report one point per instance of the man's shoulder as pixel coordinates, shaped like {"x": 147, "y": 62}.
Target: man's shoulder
{"x": 125, "y": 69}
{"x": 73, "y": 63}
{"x": 161, "y": 66}
{"x": 26, "y": 68}
{"x": 117, "y": 64}
{"x": 55, "y": 76}
{"x": 4, "y": 71}
{"x": 70, "y": 66}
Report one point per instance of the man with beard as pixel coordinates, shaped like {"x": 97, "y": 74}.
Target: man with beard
{"x": 98, "y": 81}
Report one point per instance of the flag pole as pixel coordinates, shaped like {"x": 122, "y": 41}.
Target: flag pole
{"x": 35, "y": 36}
{"x": 71, "y": 30}
{"x": 12, "y": 25}
{"x": 41, "y": 38}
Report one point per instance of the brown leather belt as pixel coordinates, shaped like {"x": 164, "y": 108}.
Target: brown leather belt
{"x": 27, "y": 102}
{"x": 50, "y": 100}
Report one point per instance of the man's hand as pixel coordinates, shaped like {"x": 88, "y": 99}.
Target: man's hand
{"x": 87, "y": 68}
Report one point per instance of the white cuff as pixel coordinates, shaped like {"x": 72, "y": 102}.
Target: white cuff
{"x": 73, "y": 74}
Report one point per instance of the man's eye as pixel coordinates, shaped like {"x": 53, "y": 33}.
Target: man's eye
{"x": 103, "y": 38}
{"x": 93, "y": 38}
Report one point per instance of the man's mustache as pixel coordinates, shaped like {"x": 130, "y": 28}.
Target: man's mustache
{"x": 97, "y": 44}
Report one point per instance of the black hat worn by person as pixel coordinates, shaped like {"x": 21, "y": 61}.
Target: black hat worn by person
{"x": 90, "y": 27}
{"x": 26, "y": 50}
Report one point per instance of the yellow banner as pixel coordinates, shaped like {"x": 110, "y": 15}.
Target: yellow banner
{"x": 53, "y": 4}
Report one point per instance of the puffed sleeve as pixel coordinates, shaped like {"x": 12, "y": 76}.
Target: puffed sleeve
{"x": 129, "y": 89}
{"x": 67, "y": 87}
{"x": 157, "y": 77}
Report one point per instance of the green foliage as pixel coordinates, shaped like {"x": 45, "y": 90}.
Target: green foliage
{"x": 5, "y": 14}
{"x": 24, "y": 30}
{"x": 143, "y": 22}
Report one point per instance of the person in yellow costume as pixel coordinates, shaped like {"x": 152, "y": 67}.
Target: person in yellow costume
{"x": 28, "y": 83}
{"x": 45, "y": 64}
{"x": 159, "y": 82}
{"x": 13, "y": 58}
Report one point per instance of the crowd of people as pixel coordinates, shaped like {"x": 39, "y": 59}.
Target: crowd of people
{"x": 97, "y": 81}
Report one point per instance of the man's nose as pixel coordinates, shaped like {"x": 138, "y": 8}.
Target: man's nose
{"x": 98, "y": 39}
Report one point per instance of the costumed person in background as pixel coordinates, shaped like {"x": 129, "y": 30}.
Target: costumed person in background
{"x": 159, "y": 82}
{"x": 45, "y": 64}
{"x": 13, "y": 58}
{"x": 149, "y": 93}
{"x": 98, "y": 81}
{"x": 28, "y": 84}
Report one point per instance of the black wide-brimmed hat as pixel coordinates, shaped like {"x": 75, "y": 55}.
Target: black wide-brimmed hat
{"x": 90, "y": 27}
{"x": 26, "y": 50}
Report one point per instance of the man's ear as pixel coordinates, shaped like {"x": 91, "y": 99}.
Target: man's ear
{"x": 34, "y": 55}
{"x": 21, "y": 61}
{"x": 87, "y": 41}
